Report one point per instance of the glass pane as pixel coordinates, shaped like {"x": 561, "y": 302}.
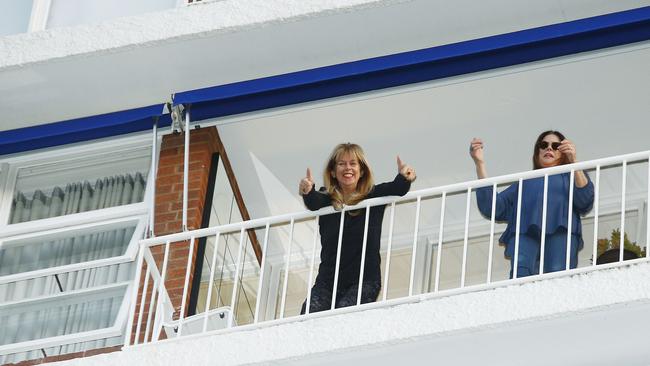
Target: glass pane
{"x": 73, "y": 12}
{"x": 14, "y": 17}
{"x": 87, "y": 183}
{"x": 56, "y": 318}
{"x": 45, "y": 252}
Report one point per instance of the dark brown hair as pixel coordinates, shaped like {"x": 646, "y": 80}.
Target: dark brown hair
{"x": 536, "y": 164}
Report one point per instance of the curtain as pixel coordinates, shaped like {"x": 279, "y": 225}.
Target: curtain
{"x": 82, "y": 315}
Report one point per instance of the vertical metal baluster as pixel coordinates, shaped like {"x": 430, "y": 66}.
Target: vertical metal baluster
{"x": 465, "y": 239}
{"x": 186, "y": 284}
{"x": 186, "y": 167}
{"x": 623, "y": 184}
{"x": 596, "y": 205}
{"x": 262, "y": 267}
{"x": 363, "y": 255}
{"x": 233, "y": 297}
{"x": 647, "y": 215}
{"x": 134, "y": 296}
{"x": 145, "y": 288}
{"x": 516, "y": 258}
{"x": 338, "y": 259}
{"x": 154, "y": 155}
{"x": 415, "y": 244}
{"x": 211, "y": 282}
{"x": 440, "y": 236}
{"x": 492, "y": 221}
{"x": 154, "y": 287}
{"x": 570, "y": 220}
{"x": 286, "y": 270}
{"x": 311, "y": 267}
{"x": 161, "y": 299}
{"x": 542, "y": 245}
{"x": 390, "y": 244}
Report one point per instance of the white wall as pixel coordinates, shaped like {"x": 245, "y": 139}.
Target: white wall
{"x": 599, "y": 100}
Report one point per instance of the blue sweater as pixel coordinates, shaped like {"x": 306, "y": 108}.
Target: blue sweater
{"x": 532, "y": 204}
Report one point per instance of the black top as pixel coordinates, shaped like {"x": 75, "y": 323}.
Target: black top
{"x": 353, "y": 226}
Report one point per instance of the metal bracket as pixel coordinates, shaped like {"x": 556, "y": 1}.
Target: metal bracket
{"x": 178, "y": 122}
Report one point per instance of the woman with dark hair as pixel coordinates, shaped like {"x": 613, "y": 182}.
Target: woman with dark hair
{"x": 348, "y": 181}
{"x": 551, "y": 149}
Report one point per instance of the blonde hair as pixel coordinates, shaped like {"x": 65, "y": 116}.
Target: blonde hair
{"x": 366, "y": 181}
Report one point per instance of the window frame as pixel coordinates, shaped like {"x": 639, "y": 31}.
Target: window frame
{"x": 70, "y": 157}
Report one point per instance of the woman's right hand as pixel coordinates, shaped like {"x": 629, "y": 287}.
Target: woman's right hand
{"x": 306, "y": 184}
{"x": 476, "y": 150}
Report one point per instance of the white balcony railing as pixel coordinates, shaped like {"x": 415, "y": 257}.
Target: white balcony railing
{"x": 155, "y": 318}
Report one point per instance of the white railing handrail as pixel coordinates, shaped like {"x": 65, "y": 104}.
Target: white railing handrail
{"x": 164, "y": 309}
{"x": 456, "y": 187}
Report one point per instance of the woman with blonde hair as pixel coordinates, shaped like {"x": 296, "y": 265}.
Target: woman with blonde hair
{"x": 348, "y": 181}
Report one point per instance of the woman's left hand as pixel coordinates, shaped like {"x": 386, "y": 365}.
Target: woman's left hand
{"x": 569, "y": 150}
{"x": 405, "y": 170}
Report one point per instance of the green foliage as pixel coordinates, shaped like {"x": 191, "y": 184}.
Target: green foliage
{"x": 615, "y": 242}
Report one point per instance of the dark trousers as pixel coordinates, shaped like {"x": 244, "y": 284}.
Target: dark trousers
{"x": 321, "y": 296}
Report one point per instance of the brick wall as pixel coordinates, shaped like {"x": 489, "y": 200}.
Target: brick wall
{"x": 169, "y": 209}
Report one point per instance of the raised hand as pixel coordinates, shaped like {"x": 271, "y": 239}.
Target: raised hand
{"x": 568, "y": 149}
{"x": 405, "y": 170}
{"x": 306, "y": 184}
{"x": 476, "y": 150}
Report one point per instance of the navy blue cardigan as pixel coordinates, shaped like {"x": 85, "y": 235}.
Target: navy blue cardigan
{"x": 532, "y": 200}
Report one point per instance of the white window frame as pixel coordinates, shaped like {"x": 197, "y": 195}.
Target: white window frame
{"x": 68, "y": 157}
{"x": 41, "y": 13}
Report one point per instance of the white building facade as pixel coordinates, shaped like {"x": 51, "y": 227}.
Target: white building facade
{"x": 100, "y": 99}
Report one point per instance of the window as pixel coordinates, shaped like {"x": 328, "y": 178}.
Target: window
{"x": 70, "y": 222}
{"x": 14, "y": 17}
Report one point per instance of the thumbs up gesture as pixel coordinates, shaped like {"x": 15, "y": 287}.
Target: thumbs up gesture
{"x": 405, "y": 170}
{"x": 306, "y": 184}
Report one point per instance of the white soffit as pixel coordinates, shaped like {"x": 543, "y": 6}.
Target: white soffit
{"x": 135, "y": 61}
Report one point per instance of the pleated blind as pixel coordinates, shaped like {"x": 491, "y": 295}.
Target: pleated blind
{"x": 78, "y": 197}
{"x": 82, "y": 315}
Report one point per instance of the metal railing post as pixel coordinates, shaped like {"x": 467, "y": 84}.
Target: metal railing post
{"x": 515, "y": 262}
{"x": 440, "y": 237}
{"x": 570, "y": 220}
{"x": 363, "y": 255}
{"x": 285, "y": 283}
{"x": 596, "y": 205}
{"x": 145, "y": 287}
{"x": 542, "y": 244}
{"x": 622, "y": 238}
{"x": 210, "y": 282}
{"x": 186, "y": 167}
{"x": 311, "y": 267}
{"x": 262, "y": 267}
{"x": 391, "y": 224}
{"x": 134, "y": 297}
{"x": 186, "y": 283}
{"x": 233, "y": 297}
{"x": 154, "y": 155}
{"x": 463, "y": 264}
{"x": 338, "y": 259}
{"x": 415, "y": 244}
{"x": 492, "y": 222}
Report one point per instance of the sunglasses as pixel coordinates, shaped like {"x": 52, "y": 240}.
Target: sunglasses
{"x": 543, "y": 145}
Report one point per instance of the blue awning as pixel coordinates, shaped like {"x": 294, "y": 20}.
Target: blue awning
{"x": 82, "y": 129}
{"x": 428, "y": 64}
{"x": 421, "y": 65}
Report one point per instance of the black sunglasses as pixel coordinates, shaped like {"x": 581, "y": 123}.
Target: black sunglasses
{"x": 543, "y": 145}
